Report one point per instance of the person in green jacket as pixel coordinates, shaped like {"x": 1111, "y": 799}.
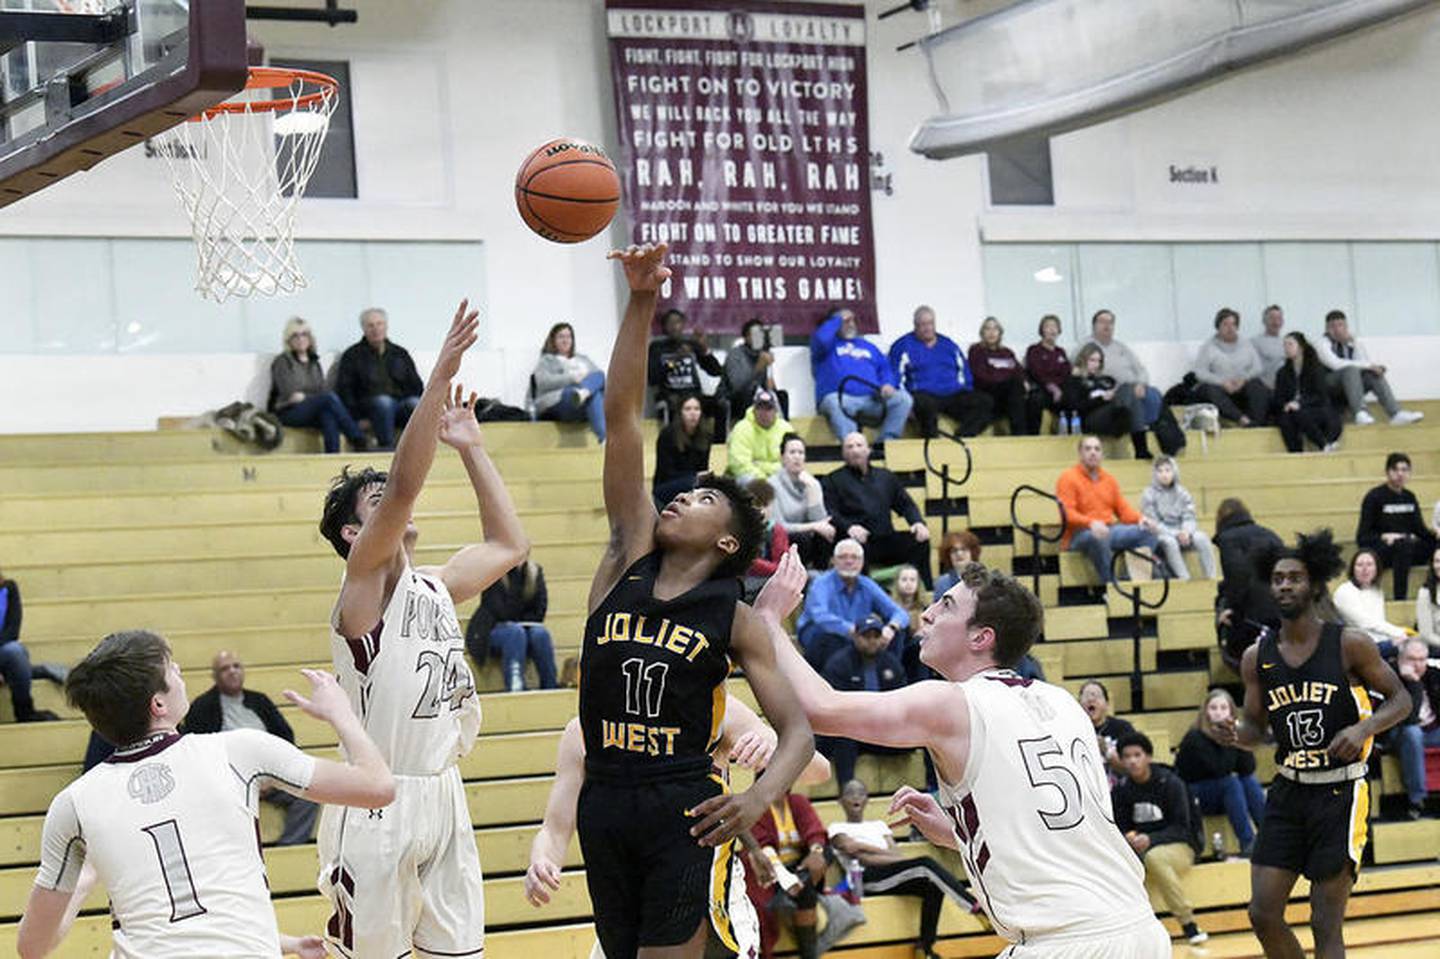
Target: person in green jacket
{"x": 754, "y": 446}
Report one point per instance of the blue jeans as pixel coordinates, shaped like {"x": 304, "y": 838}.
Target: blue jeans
{"x": 1409, "y": 743}
{"x": 15, "y": 667}
{"x": 1240, "y": 798}
{"x": 386, "y": 413}
{"x": 1143, "y": 411}
{"x": 1122, "y": 536}
{"x": 327, "y": 412}
{"x": 895, "y": 408}
{"x": 515, "y": 642}
{"x": 570, "y": 409}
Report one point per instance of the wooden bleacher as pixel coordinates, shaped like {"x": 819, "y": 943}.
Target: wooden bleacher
{"x": 185, "y": 532}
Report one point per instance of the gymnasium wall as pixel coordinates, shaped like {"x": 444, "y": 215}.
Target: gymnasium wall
{"x": 1336, "y": 145}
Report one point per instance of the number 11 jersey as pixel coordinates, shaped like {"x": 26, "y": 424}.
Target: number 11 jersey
{"x": 408, "y": 680}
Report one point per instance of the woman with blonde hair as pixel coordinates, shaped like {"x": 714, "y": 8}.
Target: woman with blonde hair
{"x": 298, "y": 394}
{"x": 1221, "y": 777}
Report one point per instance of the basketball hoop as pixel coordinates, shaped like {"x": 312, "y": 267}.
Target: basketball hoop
{"x": 240, "y": 168}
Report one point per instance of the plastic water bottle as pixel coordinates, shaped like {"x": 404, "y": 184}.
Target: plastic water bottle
{"x": 1062, "y": 428}
{"x": 854, "y": 873}
{"x": 1217, "y": 843}
{"x": 1074, "y": 423}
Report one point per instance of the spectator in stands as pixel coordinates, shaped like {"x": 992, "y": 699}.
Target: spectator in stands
{"x": 1352, "y": 374}
{"x": 1268, "y": 344}
{"x": 956, "y": 549}
{"x": 1098, "y": 519}
{"x": 786, "y": 876}
{"x": 682, "y": 452}
{"x": 675, "y": 360}
{"x": 377, "y": 379}
{"x": 754, "y": 445}
{"x": 568, "y": 386}
{"x": 840, "y": 598}
{"x": 1136, "y": 393}
{"x": 15, "y": 665}
{"x": 866, "y": 663}
{"x": 800, "y": 505}
{"x": 861, "y": 497}
{"x": 229, "y": 705}
{"x": 511, "y": 621}
{"x": 932, "y": 368}
{"x": 1361, "y": 603}
{"x": 1229, "y": 370}
{"x": 839, "y": 355}
{"x": 1301, "y": 403}
{"x": 1427, "y": 603}
{"x": 1097, "y": 398}
{"x": 1152, "y": 809}
{"x": 1048, "y": 369}
{"x": 1109, "y": 730}
{"x": 886, "y": 871}
{"x": 750, "y": 366}
{"x": 298, "y": 395}
{"x": 1421, "y": 730}
{"x": 1392, "y": 526}
{"x": 775, "y": 543}
{"x": 1171, "y": 508}
{"x": 1221, "y": 777}
{"x": 1243, "y": 604}
{"x": 998, "y": 374}
{"x": 909, "y": 594}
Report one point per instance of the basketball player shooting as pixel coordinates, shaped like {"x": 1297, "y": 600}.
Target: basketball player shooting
{"x": 1307, "y": 688}
{"x": 1023, "y": 792}
{"x": 656, "y": 826}
{"x": 167, "y": 824}
{"x": 407, "y": 877}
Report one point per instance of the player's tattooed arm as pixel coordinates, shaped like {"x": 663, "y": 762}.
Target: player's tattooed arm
{"x": 1362, "y": 660}
{"x": 627, "y": 500}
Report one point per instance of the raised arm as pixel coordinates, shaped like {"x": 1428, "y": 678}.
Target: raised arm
{"x": 627, "y": 501}
{"x": 747, "y": 741}
{"x": 363, "y": 779}
{"x": 1363, "y": 661}
{"x": 381, "y": 536}
{"x": 547, "y": 849}
{"x": 472, "y": 569}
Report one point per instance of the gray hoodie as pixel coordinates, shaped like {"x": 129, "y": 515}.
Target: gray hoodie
{"x": 1171, "y": 506}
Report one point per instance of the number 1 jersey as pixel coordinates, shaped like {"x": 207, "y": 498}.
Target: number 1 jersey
{"x": 408, "y": 679}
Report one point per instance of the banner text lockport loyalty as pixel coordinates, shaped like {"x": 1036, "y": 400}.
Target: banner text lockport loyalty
{"x": 744, "y": 145}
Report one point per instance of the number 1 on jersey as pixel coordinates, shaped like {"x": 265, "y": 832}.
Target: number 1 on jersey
{"x": 644, "y": 682}
{"x": 175, "y": 868}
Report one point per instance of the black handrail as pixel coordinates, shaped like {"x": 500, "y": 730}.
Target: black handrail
{"x": 840, "y": 395}
{"x": 1033, "y": 530}
{"x": 944, "y": 473}
{"x": 1137, "y": 603}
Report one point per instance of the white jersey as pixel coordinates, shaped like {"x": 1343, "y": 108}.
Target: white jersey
{"x": 169, "y": 825}
{"x": 1033, "y": 816}
{"x": 408, "y": 679}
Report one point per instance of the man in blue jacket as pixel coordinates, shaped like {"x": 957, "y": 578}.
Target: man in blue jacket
{"x": 840, "y": 598}
{"x": 837, "y": 350}
{"x": 933, "y": 370}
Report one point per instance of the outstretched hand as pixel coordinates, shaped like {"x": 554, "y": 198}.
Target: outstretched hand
{"x": 645, "y": 268}
{"x": 754, "y": 749}
{"x": 458, "y": 426}
{"x": 541, "y": 879}
{"x": 783, "y": 592}
{"x": 464, "y": 331}
{"x": 326, "y": 701}
{"x": 306, "y": 947}
{"x": 922, "y": 811}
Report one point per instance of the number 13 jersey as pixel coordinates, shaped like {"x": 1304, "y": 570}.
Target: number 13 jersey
{"x": 652, "y": 674}
{"x": 408, "y": 680}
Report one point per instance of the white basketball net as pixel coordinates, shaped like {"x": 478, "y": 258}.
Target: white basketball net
{"x": 240, "y": 176}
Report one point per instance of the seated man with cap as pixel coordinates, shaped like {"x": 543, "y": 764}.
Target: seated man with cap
{"x": 753, "y": 452}
{"x": 866, "y": 664}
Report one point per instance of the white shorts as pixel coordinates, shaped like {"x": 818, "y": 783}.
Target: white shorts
{"x": 1150, "y": 941}
{"x": 744, "y": 924}
{"x": 406, "y": 876}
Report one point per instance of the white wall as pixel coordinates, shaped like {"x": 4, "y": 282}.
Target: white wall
{"x": 449, "y": 96}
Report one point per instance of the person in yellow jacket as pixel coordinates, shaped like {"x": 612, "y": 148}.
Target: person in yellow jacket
{"x": 754, "y": 446}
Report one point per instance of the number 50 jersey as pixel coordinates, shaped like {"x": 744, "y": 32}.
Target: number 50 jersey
{"x": 408, "y": 679}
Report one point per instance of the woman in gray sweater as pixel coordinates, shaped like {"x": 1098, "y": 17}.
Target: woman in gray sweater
{"x": 298, "y": 395}
{"x": 568, "y": 387}
{"x": 1171, "y": 507}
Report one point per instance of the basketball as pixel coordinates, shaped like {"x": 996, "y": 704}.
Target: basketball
{"x": 567, "y": 190}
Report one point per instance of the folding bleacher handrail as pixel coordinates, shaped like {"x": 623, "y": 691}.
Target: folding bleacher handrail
{"x": 944, "y": 473}
{"x": 1137, "y": 603}
{"x": 840, "y": 396}
{"x": 1033, "y": 530}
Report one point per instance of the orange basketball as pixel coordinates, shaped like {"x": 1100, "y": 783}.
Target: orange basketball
{"x": 567, "y": 190}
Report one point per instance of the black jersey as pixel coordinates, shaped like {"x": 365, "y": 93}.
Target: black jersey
{"x": 1308, "y": 704}
{"x": 652, "y": 674}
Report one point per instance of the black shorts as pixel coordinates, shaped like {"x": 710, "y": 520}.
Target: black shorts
{"x": 651, "y": 883}
{"x": 1316, "y": 830}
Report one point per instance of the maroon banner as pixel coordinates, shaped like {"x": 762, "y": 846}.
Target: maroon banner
{"x": 745, "y": 145}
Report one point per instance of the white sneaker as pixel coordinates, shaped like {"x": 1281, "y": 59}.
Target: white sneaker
{"x": 1331, "y": 447}
{"x": 1406, "y": 416}
{"x": 1363, "y": 418}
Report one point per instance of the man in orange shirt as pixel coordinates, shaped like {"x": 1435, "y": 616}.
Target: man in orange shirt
{"x": 1098, "y": 520}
